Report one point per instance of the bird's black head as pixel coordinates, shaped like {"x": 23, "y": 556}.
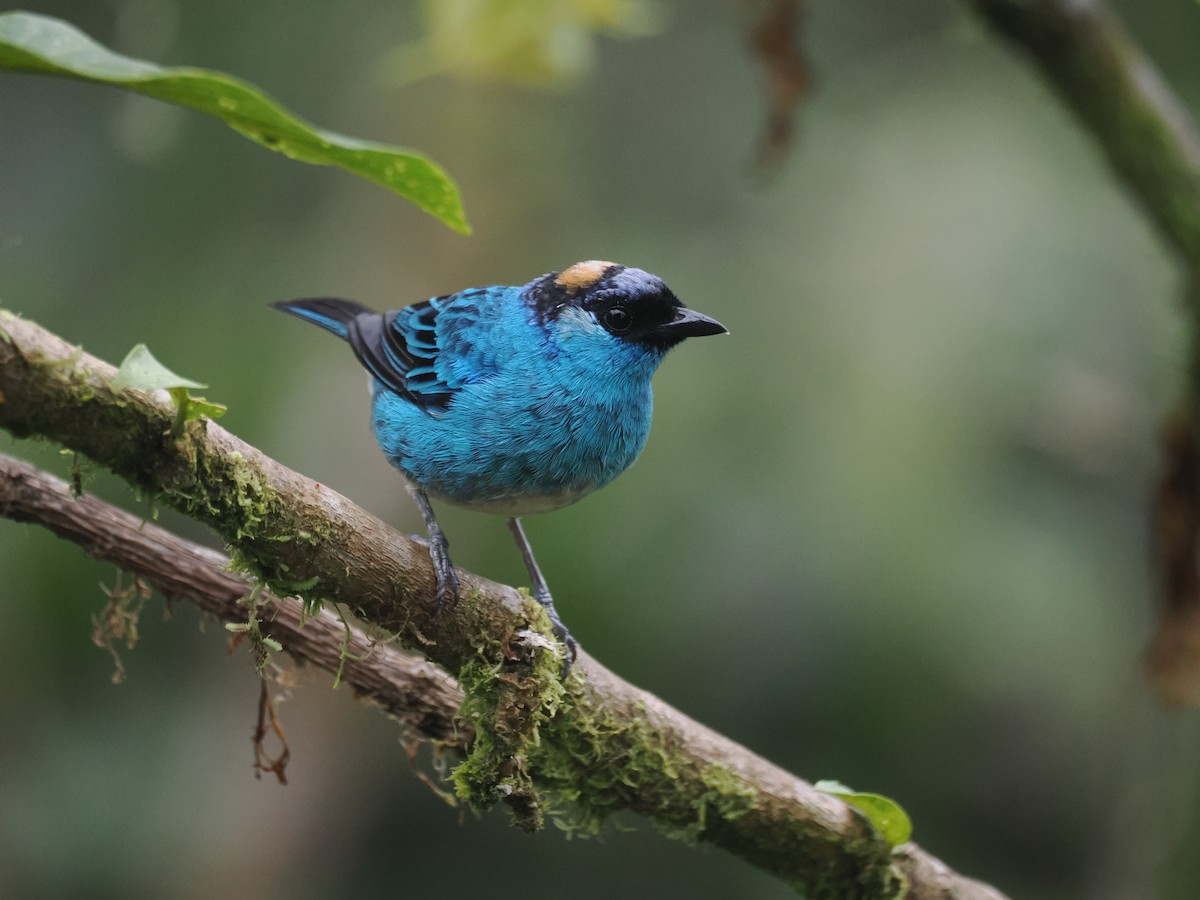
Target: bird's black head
{"x": 627, "y": 303}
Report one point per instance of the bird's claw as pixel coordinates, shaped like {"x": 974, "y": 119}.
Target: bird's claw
{"x": 563, "y": 635}
{"x": 558, "y": 629}
{"x": 446, "y": 594}
{"x": 445, "y": 597}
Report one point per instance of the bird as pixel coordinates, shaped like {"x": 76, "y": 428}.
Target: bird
{"x": 514, "y": 400}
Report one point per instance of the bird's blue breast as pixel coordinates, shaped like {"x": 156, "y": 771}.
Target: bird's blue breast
{"x": 541, "y": 413}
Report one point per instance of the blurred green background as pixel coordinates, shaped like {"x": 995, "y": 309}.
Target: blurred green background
{"x": 891, "y": 531}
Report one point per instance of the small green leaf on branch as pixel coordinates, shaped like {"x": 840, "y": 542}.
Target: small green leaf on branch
{"x": 142, "y": 371}
{"x": 885, "y": 814}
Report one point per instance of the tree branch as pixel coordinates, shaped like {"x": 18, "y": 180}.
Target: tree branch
{"x": 596, "y": 740}
{"x": 1153, "y": 146}
{"x": 416, "y": 693}
{"x": 1102, "y": 76}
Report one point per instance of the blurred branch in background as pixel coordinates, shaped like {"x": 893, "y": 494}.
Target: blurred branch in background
{"x": 1153, "y": 147}
{"x": 550, "y": 44}
{"x": 775, "y": 41}
{"x": 596, "y": 740}
{"x": 1116, "y": 92}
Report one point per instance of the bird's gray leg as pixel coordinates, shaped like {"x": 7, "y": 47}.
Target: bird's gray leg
{"x": 541, "y": 593}
{"x": 439, "y": 553}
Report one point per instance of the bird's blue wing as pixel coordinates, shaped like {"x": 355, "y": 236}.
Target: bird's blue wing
{"x": 428, "y": 351}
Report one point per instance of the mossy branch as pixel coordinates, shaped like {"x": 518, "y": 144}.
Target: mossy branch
{"x": 419, "y": 695}
{"x": 596, "y": 741}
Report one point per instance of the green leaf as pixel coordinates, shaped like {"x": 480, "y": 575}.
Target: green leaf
{"x": 885, "y": 814}
{"x": 196, "y": 407}
{"x": 40, "y": 44}
{"x": 141, "y": 370}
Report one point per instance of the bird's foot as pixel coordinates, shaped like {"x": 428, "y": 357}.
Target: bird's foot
{"x": 446, "y": 594}
{"x": 558, "y": 628}
{"x": 563, "y": 635}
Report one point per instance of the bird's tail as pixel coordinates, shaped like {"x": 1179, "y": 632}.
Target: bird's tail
{"x": 328, "y": 312}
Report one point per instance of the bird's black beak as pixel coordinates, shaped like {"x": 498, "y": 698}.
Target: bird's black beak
{"x": 689, "y": 323}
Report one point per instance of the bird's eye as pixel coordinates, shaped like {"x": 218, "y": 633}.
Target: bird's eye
{"x": 618, "y": 319}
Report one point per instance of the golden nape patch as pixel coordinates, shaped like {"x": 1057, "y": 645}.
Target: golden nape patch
{"x": 583, "y": 275}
